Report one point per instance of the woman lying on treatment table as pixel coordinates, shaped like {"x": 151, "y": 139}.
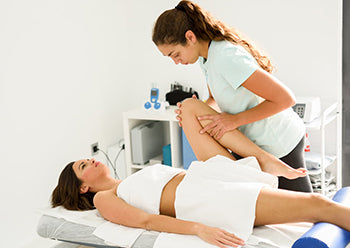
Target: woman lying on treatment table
{"x": 219, "y": 200}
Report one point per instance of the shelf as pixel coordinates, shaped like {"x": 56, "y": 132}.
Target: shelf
{"x": 319, "y": 171}
{"x": 172, "y": 133}
{"x": 151, "y": 114}
{"x": 317, "y": 124}
{"x": 316, "y": 159}
{"x": 328, "y": 115}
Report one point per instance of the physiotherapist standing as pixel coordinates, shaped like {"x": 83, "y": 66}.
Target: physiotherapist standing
{"x": 240, "y": 84}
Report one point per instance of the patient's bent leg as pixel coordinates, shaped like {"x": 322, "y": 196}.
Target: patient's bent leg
{"x": 205, "y": 146}
{"x": 276, "y": 206}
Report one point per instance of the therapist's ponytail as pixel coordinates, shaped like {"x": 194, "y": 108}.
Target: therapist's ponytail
{"x": 171, "y": 26}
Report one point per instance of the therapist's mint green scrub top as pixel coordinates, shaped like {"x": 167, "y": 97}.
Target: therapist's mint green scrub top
{"x": 226, "y": 69}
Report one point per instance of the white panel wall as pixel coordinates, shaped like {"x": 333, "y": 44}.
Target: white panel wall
{"x": 69, "y": 68}
{"x": 60, "y": 91}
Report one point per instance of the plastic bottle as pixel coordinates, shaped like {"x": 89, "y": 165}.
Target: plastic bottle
{"x": 307, "y": 143}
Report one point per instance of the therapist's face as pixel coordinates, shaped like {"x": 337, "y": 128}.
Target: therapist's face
{"x": 179, "y": 54}
{"x": 183, "y": 54}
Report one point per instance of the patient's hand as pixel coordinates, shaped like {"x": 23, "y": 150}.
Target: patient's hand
{"x": 277, "y": 167}
{"x": 218, "y": 237}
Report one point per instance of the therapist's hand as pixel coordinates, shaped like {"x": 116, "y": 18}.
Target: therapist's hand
{"x": 178, "y": 111}
{"x": 219, "y": 237}
{"x": 221, "y": 123}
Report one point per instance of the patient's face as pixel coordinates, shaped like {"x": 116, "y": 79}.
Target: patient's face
{"x": 90, "y": 171}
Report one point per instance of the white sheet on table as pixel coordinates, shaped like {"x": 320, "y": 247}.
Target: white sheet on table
{"x": 272, "y": 236}
{"x": 279, "y": 236}
{"x": 114, "y": 234}
{"x": 111, "y": 233}
{"x": 87, "y": 217}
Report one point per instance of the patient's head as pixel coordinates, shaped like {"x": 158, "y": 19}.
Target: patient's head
{"x": 68, "y": 190}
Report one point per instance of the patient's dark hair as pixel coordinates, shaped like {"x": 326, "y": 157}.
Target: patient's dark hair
{"x": 67, "y": 192}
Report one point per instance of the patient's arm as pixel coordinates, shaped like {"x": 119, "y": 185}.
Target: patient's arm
{"x": 118, "y": 211}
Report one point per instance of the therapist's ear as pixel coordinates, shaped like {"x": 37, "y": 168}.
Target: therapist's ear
{"x": 190, "y": 36}
{"x": 84, "y": 189}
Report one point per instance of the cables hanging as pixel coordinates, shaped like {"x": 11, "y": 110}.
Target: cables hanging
{"x": 114, "y": 163}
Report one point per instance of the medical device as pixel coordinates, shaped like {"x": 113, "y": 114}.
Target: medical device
{"x": 147, "y": 141}
{"x": 154, "y": 95}
{"x": 308, "y": 108}
{"x": 178, "y": 93}
{"x": 154, "y": 99}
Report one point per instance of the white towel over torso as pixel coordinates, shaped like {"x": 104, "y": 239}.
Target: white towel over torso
{"x": 221, "y": 192}
{"x": 218, "y": 192}
{"x": 143, "y": 189}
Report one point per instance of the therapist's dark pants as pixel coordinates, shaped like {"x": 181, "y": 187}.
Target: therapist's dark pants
{"x": 296, "y": 160}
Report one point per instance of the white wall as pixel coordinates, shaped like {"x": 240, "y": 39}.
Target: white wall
{"x": 69, "y": 68}
{"x": 60, "y": 91}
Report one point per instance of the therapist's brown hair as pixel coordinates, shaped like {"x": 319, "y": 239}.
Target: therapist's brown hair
{"x": 171, "y": 26}
{"x": 67, "y": 192}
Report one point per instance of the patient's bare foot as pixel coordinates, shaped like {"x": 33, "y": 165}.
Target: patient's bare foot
{"x": 274, "y": 166}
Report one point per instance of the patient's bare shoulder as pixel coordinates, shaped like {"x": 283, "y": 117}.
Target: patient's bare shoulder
{"x": 105, "y": 195}
{"x": 118, "y": 211}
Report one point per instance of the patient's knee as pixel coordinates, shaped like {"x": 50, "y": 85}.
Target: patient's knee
{"x": 323, "y": 205}
{"x": 188, "y": 106}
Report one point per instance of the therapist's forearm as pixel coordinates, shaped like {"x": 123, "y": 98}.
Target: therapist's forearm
{"x": 261, "y": 111}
